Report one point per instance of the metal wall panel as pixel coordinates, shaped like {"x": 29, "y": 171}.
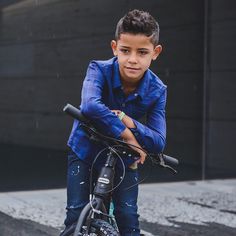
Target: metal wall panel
{"x": 46, "y": 45}
{"x": 221, "y": 148}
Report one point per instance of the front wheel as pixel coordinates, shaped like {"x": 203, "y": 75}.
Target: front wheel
{"x": 101, "y": 228}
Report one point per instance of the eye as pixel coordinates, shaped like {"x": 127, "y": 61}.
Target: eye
{"x": 125, "y": 51}
{"x": 142, "y": 53}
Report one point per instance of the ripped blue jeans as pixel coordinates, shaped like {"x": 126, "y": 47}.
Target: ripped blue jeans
{"x": 125, "y": 200}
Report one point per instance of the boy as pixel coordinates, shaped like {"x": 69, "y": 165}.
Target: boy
{"x": 115, "y": 94}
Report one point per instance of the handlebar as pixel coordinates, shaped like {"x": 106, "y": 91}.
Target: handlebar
{"x": 75, "y": 113}
{"x": 160, "y": 158}
{"x": 171, "y": 160}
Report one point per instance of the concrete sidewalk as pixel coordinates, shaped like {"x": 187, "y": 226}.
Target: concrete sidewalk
{"x": 180, "y": 208}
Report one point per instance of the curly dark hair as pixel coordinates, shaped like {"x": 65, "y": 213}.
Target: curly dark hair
{"x": 138, "y": 22}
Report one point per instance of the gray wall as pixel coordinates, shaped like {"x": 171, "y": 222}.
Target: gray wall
{"x": 45, "y": 47}
{"x": 221, "y": 87}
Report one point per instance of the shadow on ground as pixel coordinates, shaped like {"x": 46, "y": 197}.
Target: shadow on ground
{"x": 10, "y": 226}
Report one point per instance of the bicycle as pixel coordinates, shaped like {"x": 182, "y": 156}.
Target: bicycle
{"x": 95, "y": 218}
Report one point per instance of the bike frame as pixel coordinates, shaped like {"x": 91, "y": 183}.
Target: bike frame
{"x": 102, "y": 194}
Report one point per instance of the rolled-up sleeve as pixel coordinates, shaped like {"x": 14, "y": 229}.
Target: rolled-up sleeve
{"x": 92, "y": 105}
{"x": 152, "y": 136}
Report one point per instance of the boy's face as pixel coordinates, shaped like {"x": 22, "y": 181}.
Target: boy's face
{"x": 135, "y": 53}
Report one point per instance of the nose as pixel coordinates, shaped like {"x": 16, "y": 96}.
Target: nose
{"x": 132, "y": 58}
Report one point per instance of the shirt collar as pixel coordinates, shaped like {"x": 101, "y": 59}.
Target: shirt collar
{"x": 116, "y": 78}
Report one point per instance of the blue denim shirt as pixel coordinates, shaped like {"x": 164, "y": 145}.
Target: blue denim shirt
{"x": 102, "y": 92}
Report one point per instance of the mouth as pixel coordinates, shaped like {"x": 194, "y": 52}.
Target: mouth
{"x": 132, "y": 69}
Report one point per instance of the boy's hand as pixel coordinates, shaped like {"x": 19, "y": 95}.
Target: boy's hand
{"x": 128, "y": 136}
{"x": 116, "y": 112}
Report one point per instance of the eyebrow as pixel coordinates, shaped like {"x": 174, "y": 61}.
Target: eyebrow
{"x": 143, "y": 49}
{"x": 140, "y": 49}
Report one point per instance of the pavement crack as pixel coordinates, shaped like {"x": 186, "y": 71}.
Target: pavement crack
{"x": 228, "y": 211}
{"x": 196, "y": 203}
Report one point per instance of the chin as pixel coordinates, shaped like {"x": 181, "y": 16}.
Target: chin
{"x": 133, "y": 78}
{"x": 134, "y": 75}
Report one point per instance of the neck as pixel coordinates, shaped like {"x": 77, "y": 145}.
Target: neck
{"x": 129, "y": 87}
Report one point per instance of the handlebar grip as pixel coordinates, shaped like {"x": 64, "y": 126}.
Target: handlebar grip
{"x": 170, "y": 160}
{"x": 75, "y": 113}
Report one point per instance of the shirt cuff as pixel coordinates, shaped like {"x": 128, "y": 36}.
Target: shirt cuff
{"x": 138, "y": 131}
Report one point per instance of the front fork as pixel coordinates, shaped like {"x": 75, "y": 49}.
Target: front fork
{"x": 105, "y": 180}
{"x": 104, "y": 185}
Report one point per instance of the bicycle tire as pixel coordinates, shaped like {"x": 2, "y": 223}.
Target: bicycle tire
{"x": 101, "y": 228}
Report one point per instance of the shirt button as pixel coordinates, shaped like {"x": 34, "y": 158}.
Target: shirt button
{"x": 123, "y": 104}
{"x": 135, "y": 94}
{"x": 136, "y": 134}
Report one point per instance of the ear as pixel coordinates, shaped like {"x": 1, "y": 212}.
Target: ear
{"x": 114, "y": 47}
{"x": 157, "y": 51}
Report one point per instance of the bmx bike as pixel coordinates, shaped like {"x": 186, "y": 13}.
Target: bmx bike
{"x": 95, "y": 218}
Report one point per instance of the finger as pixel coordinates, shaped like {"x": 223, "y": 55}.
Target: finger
{"x": 114, "y": 112}
{"x": 143, "y": 158}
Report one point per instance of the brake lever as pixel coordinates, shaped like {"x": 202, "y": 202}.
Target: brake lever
{"x": 169, "y": 167}
{"x": 93, "y": 135}
{"x": 162, "y": 163}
